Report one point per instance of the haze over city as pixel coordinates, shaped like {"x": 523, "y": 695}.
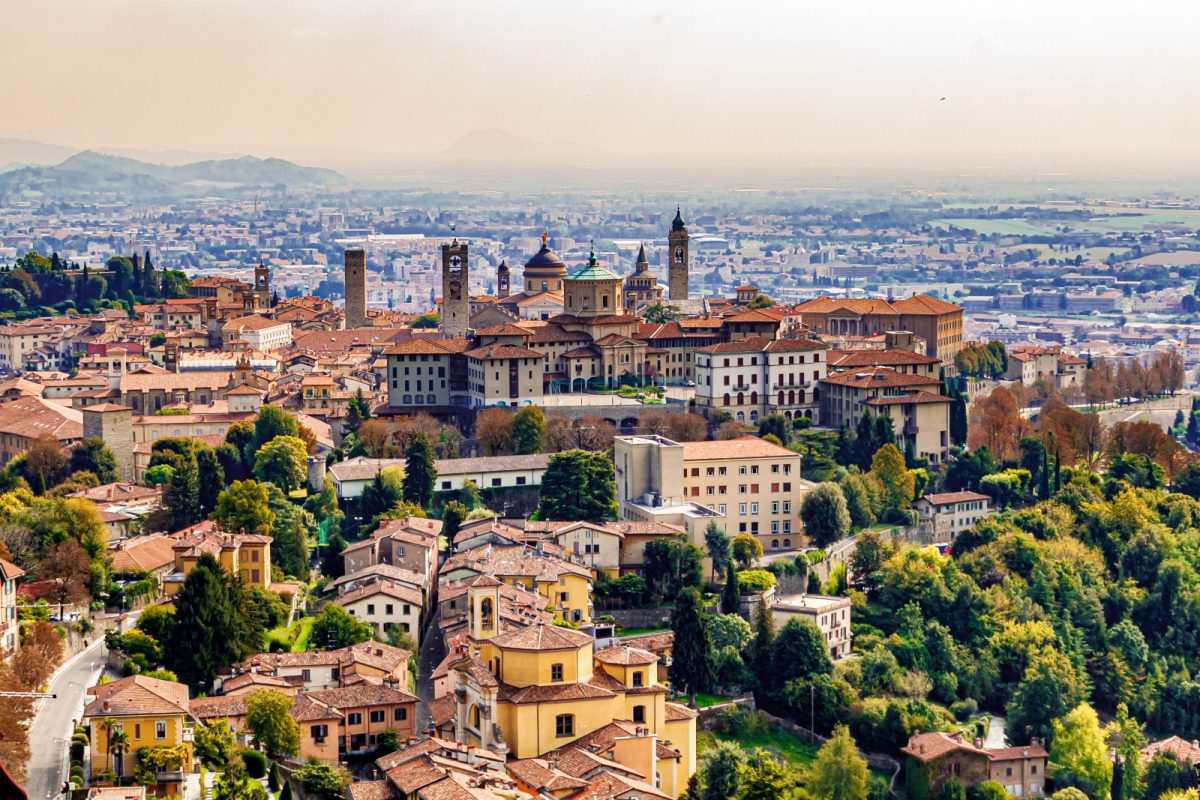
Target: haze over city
{"x": 1081, "y": 84}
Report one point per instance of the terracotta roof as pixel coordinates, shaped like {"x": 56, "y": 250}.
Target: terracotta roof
{"x": 137, "y": 695}
{"x": 370, "y": 790}
{"x": 553, "y": 694}
{"x": 949, "y": 498}
{"x": 624, "y": 655}
{"x": 387, "y": 588}
{"x": 908, "y": 398}
{"x": 1186, "y": 752}
{"x": 366, "y": 694}
{"x": 881, "y": 377}
{"x": 930, "y": 746}
{"x": 445, "y": 789}
{"x": 542, "y": 637}
{"x": 674, "y": 712}
{"x": 924, "y": 304}
{"x": 743, "y": 447}
{"x": 10, "y": 571}
{"x": 501, "y": 351}
{"x": 143, "y": 553}
{"x": 32, "y": 417}
{"x": 877, "y": 358}
{"x": 231, "y": 705}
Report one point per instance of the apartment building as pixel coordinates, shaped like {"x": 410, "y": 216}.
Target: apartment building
{"x": 754, "y": 376}
{"x": 947, "y": 514}
{"x": 753, "y": 486}
{"x": 257, "y": 331}
{"x": 10, "y": 638}
{"x": 919, "y": 414}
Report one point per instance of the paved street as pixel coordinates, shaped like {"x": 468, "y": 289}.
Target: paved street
{"x": 50, "y": 733}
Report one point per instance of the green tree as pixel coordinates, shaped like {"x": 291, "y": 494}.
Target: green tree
{"x": 210, "y": 478}
{"x": 579, "y": 486}
{"x": 92, "y": 455}
{"x": 358, "y": 411}
{"x": 453, "y": 515}
{"x": 282, "y": 461}
{"x": 672, "y": 564}
{"x": 826, "y": 518}
{"x": 731, "y": 593}
{"x": 722, "y": 770}
{"x": 778, "y": 425}
{"x": 1078, "y": 748}
{"x": 382, "y": 493}
{"x": 764, "y": 777}
{"x": 272, "y": 421}
{"x": 181, "y": 498}
{"x": 1049, "y": 689}
{"x": 716, "y": 541}
{"x": 838, "y": 772}
{"x": 746, "y": 550}
{"x": 898, "y": 483}
{"x": 335, "y": 628}
{"x": 763, "y": 645}
{"x": 420, "y": 473}
{"x": 692, "y": 668}
{"x": 799, "y": 651}
{"x": 1163, "y": 774}
{"x": 269, "y": 718}
{"x": 245, "y": 506}
{"x": 529, "y": 430}
{"x": 213, "y": 625}
{"x": 291, "y": 531}
{"x": 468, "y": 495}
{"x": 858, "y": 500}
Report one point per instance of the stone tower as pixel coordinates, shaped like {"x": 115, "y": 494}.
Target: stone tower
{"x": 356, "y": 289}
{"x": 262, "y": 286}
{"x": 677, "y": 251}
{"x": 456, "y": 304}
{"x": 503, "y": 278}
{"x": 114, "y": 425}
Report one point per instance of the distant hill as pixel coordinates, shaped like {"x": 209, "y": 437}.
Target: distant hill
{"x": 90, "y": 172}
{"x": 494, "y": 144}
{"x": 23, "y": 152}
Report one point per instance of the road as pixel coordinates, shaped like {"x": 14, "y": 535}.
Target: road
{"x": 50, "y": 734}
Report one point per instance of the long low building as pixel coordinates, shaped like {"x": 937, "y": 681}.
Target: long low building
{"x": 495, "y": 472}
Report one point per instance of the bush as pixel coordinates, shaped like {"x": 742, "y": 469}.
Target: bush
{"x": 964, "y": 709}
{"x": 256, "y": 763}
{"x": 755, "y": 580}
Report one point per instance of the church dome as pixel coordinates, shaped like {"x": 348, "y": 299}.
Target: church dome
{"x": 545, "y": 262}
{"x": 677, "y": 224}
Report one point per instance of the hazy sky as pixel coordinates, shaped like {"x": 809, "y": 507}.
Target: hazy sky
{"x": 814, "y": 79}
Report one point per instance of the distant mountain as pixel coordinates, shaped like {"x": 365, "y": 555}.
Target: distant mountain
{"x": 91, "y": 172}
{"x": 24, "y": 152}
{"x": 494, "y": 144}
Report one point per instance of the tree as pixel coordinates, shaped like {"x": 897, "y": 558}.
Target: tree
{"x": 453, "y": 515}
{"x": 778, "y": 425}
{"x": 213, "y": 624}
{"x": 68, "y": 567}
{"x": 335, "y": 628}
{"x": 92, "y": 455}
{"x": 529, "y": 430}
{"x": 382, "y": 493}
{"x": 1048, "y": 690}
{"x": 331, "y": 562}
{"x": 358, "y": 411}
{"x": 1078, "y": 748}
{"x": 858, "y": 499}
{"x": 269, "y": 718}
{"x": 746, "y": 550}
{"x": 1163, "y": 774}
{"x": 764, "y": 777}
{"x": 722, "y": 770}
{"x": 672, "y": 564}
{"x": 839, "y": 772}
{"x": 291, "y": 531}
{"x": 762, "y": 646}
{"x": 994, "y": 423}
{"x": 716, "y": 541}
{"x": 731, "y": 593}
{"x": 494, "y": 430}
{"x": 245, "y": 507}
{"x": 660, "y": 313}
{"x": 181, "y": 498}
{"x": 420, "y": 473}
{"x": 799, "y": 651}
{"x": 282, "y": 461}
{"x": 210, "y": 478}
{"x": 826, "y": 518}
{"x": 692, "y": 669}
{"x": 578, "y": 486}
{"x": 898, "y": 483}
{"x": 272, "y": 421}
{"x": 45, "y": 464}
{"x": 729, "y": 429}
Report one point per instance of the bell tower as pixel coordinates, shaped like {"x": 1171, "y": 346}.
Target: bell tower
{"x": 677, "y": 252}
{"x": 455, "y": 297}
{"x": 503, "y": 278}
{"x": 262, "y": 286}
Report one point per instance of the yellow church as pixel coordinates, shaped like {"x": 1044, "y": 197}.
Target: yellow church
{"x": 531, "y": 691}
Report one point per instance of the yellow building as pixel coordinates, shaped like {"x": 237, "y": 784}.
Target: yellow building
{"x": 568, "y": 586}
{"x": 239, "y": 554}
{"x": 150, "y": 712}
{"x": 527, "y": 691}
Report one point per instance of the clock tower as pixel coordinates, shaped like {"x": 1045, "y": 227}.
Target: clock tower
{"x": 503, "y": 279}
{"x": 677, "y": 255}
{"x": 262, "y": 286}
{"x": 456, "y": 302}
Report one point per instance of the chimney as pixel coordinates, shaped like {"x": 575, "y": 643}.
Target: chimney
{"x": 104, "y": 705}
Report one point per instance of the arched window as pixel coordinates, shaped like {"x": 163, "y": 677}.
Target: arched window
{"x": 787, "y": 543}
{"x": 754, "y": 416}
{"x": 741, "y": 416}
{"x": 727, "y": 398}
{"x": 473, "y": 717}
{"x": 564, "y": 725}
{"x": 486, "y": 614}
{"x": 780, "y": 398}
{"x": 774, "y": 544}
{"x": 741, "y": 399}
{"x": 754, "y": 398}
{"x": 791, "y": 398}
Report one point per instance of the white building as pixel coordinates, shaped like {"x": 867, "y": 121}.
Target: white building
{"x": 946, "y": 515}
{"x": 755, "y": 376}
{"x": 830, "y": 615}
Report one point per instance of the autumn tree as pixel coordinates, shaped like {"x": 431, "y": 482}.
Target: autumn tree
{"x": 494, "y": 430}
{"x": 995, "y": 422}
{"x": 730, "y": 429}
{"x": 68, "y": 567}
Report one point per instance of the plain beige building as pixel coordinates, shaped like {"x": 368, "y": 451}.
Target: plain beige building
{"x": 504, "y": 375}
{"x": 830, "y": 615}
{"x": 752, "y": 485}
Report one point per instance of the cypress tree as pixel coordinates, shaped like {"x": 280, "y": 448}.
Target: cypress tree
{"x": 691, "y": 667}
{"x": 731, "y": 595}
{"x": 420, "y": 474}
{"x": 182, "y": 495}
{"x": 762, "y": 643}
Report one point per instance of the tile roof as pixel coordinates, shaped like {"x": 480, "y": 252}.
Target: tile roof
{"x": 743, "y": 447}
{"x": 502, "y": 351}
{"x": 387, "y": 588}
{"x": 908, "y": 398}
{"x": 366, "y": 694}
{"x": 32, "y": 417}
{"x": 846, "y": 359}
{"x": 542, "y": 637}
{"x": 948, "y": 498}
{"x": 879, "y": 377}
{"x": 142, "y": 553}
{"x": 137, "y": 695}
{"x": 624, "y": 655}
{"x": 9, "y": 571}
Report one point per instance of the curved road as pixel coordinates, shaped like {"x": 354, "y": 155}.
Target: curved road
{"x": 50, "y": 733}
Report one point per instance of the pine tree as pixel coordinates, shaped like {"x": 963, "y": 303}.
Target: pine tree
{"x": 762, "y": 644}
{"x": 213, "y": 625}
{"x": 210, "y": 479}
{"x": 692, "y": 668}
{"x": 181, "y": 498}
{"x": 420, "y": 473}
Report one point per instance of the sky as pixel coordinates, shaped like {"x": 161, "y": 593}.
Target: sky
{"x": 739, "y": 80}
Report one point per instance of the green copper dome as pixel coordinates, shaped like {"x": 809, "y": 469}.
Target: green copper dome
{"x": 677, "y": 224}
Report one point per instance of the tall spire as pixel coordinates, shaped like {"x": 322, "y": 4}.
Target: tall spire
{"x": 677, "y": 224}
{"x": 642, "y": 262}
{"x": 545, "y": 239}
{"x": 592, "y": 256}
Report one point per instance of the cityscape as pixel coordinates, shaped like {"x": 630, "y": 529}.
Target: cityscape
{"x": 643, "y": 403}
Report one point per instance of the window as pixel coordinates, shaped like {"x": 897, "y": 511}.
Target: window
{"x": 754, "y": 508}
{"x": 370, "y": 608}
{"x": 564, "y": 725}
{"x": 388, "y": 609}
{"x": 639, "y": 714}
{"x": 639, "y": 678}
{"x": 354, "y": 718}
{"x": 556, "y": 672}
{"x": 378, "y": 716}
{"x": 400, "y": 714}
{"x": 160, "y": 729}
{"x": 320, "y": 731}
{"x": 305, "y": 675}
{"x": 741, "y": 509}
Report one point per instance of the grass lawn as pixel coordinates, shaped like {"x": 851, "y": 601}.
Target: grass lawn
{"x": 302, "y": 628}
{"x": 792, "y": 749}
{"x": 990, "y": 227}
{"x": 306, "y": 626}
{"x": 706, "y": 700}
